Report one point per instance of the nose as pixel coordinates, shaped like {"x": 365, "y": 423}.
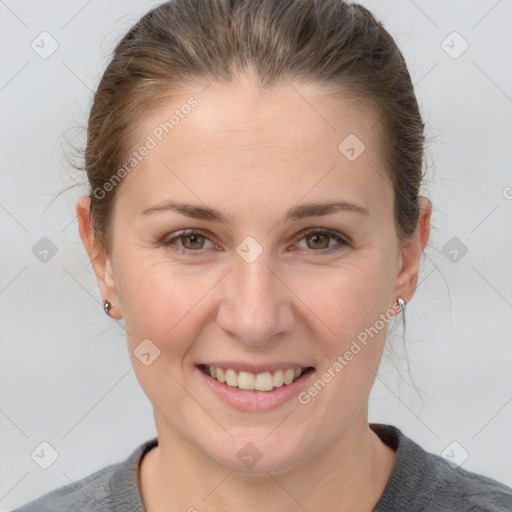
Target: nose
{"x": 255, "y": 306}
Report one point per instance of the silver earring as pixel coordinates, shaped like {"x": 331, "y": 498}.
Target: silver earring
{"x": 107, "y": 306}
{"x": 401, "y": 303}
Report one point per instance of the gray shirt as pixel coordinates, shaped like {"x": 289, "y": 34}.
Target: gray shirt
{"x": 420, "y": 482}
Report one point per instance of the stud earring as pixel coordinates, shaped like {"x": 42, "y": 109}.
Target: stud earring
{"x": 401, "y": 303}
{"x": 107, "y": 306}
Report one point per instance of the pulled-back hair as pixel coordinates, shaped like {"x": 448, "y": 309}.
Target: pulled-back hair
{"x": 336, "y": 45}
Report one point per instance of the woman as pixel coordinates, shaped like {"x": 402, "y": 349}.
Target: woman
{"x": 254, "y": 213}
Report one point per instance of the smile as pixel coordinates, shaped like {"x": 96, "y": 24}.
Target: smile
{"x": 274, "y": 380}
{"x": 248, "y": 381}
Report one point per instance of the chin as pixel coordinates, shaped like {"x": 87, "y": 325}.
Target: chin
{"x": 257, "y": 455}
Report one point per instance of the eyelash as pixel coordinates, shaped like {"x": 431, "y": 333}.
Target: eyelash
{"x": 331, "y": 234}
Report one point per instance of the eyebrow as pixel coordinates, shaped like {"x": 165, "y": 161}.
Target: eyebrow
{"x": 301, "y": 211}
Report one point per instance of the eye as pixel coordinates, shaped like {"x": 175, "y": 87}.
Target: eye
{"x": 191, "y": 240}
{"x": 194, "y": 241}
{"x": 319, "y": 240}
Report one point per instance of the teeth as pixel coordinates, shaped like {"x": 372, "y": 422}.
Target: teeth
{"x": 289, "y": 376}
{"x": 221, "y": 374}
{"x": 231, "y": 378}
{"x": 278, "y": 380}
{"x": 265, "y": 381}
{"x": 246, "y": 380}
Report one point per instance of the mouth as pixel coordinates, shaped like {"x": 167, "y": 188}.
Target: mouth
{"x": 263, "y": 382}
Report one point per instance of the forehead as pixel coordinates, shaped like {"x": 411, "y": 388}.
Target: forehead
{"x": 287, "y": 141}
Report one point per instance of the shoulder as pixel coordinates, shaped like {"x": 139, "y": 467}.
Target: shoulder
{"x": 102, "y": 491}
{"x": 457, "y": 487}
{"x": 91, "y": 492}
{"x": 426, "y": 482}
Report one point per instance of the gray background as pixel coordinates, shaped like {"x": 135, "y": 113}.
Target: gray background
{"x": 66, "y": 377}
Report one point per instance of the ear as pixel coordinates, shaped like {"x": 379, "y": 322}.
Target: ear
{"x": 407, "y": 278}
{"x": 99, "y": 259}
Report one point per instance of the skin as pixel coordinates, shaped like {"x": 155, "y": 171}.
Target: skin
{"x": 254, "y": 155}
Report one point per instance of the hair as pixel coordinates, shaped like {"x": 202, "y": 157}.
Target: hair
{"x": 339, "y": 46}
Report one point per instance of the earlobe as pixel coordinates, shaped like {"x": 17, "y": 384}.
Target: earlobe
{"x": 99, "y": 259}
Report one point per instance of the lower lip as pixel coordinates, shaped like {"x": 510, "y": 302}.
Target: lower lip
{"x": 256, "y": 400}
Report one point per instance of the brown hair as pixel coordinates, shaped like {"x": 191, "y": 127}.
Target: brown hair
{"x": 337, "y": 45}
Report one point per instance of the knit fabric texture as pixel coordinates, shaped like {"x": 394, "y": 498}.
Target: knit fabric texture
{"x": 420, "y": 482}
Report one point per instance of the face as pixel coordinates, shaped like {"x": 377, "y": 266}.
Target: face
{"x": 251, "y": 275}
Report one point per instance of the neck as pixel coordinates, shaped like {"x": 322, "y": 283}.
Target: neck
{"x": 350, "y": 475}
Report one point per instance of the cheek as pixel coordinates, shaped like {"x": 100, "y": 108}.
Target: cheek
{"x": 351, "y": 331}
{"x": 162, "y": 305}
{"x": 346, "y": 299}
{"x": 160, "y": 301}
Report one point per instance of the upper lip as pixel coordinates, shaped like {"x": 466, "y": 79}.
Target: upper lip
{"x": 256, "y": 368}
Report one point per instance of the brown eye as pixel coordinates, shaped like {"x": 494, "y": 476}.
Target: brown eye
{"x": 318, "y": 240}
{"x": 191, "y": 242}
{"x": 194, "y": 241}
